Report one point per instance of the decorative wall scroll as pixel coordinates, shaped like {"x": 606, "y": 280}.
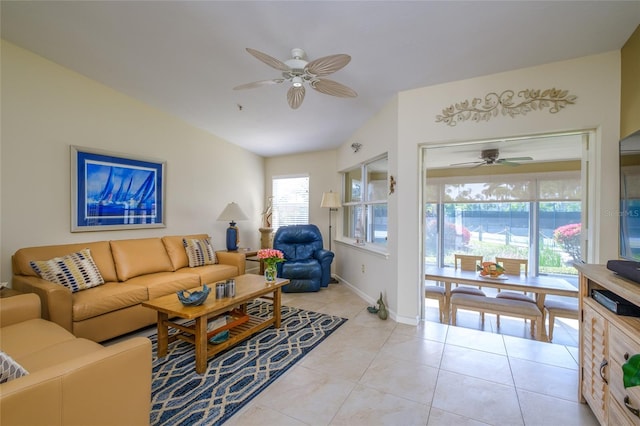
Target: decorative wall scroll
{"x": 493, "y": 103}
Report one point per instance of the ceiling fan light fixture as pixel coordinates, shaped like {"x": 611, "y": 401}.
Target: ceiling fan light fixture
{"x": 298, "y": 70}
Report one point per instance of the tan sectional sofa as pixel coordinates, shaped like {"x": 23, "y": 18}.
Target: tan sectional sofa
{"x": 134, "y": 270}
{"x": 70, "y": 381}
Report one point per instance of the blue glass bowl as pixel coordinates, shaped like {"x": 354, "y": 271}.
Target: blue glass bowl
{"x": 194, "y": 298}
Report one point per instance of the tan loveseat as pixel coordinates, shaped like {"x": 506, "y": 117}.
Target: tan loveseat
{"x": 70, "y": 381}
{"x": 134, "y": 271}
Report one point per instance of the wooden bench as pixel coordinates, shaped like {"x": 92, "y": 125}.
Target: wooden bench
{"x": 492, "y": 305}
{"x": 559, "y": 308}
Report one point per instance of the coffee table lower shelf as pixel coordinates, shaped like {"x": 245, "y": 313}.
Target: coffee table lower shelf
{"x": 236, "y": 334}
{"x": 248, "y": 287}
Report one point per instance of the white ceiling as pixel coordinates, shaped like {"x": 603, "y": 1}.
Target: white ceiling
{"x": 185, "y": 57}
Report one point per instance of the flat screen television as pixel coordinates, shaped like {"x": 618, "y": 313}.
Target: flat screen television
{"x": 630, "y": 197}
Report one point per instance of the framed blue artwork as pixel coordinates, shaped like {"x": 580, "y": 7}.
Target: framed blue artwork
{"x": 111, "y": 191}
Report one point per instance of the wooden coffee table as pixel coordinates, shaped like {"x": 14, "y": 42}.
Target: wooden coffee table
{"x": 248, "y": 287}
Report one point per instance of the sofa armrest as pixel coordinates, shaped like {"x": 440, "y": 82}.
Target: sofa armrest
{"x": 19, "y": 308}
{"x": 56, "y": 301}
{"x": 111, "y": 386}
{"x": 234, "y": 259}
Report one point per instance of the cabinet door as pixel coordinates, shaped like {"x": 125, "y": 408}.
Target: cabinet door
{"x": 621, "y": 347}
{"x": 595, "y": 363}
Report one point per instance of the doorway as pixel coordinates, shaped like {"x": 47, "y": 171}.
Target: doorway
{"x": 519, "y": 197}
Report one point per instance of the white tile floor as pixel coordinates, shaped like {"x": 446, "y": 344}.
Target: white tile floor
{"x": 372, "y": 372}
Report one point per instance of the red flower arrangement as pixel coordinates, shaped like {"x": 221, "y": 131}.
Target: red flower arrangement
{"x": 270, "y": 257}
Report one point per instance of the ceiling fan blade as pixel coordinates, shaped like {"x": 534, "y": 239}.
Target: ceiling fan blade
{"x": 507, "y": 163}
{"x": 295, "y": 96}
{"x": 328, "y": 64}
{"x": 333, "y": 88}
{"x": 259, "y": 84}
{"x": 269, "y": 60}
{"x": 516, "y": 159}
{"x": 479, "y": 163}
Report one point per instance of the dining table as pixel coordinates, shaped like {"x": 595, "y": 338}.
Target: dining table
{"x": 538, "y": 285}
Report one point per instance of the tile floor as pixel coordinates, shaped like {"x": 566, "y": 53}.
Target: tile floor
{"x": 372, "y": 372}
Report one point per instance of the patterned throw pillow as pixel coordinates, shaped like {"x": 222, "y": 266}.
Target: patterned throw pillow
{"x": 76, "y": 271}
{"x": 9, "y": 369}
{"x": 199, "y": 252}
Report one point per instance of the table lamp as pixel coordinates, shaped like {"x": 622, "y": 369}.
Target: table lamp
{"x": 232, "y": 213}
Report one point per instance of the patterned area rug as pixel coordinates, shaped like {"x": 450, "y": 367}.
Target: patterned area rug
{"x": 236, "y": 376}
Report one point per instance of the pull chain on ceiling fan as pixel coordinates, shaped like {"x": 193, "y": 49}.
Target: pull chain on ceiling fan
{"x": 492, "y": 156}
{"x": 298, "y": 71}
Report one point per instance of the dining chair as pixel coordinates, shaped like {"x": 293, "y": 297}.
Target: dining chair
{"x": 513, "y": 266}
{"x": 517, "y": 267}
{"x": 563, "y": 308}
{"x": 438, "y": 293}
{"x": 468, "y": 262}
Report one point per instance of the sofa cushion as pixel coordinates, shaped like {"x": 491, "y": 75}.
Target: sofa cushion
{"x": 107, "y": 298}
{"x": 100, "y": 252}
{"x": 31, "y": 336}
{"x": 175, "y": 249}
{"x": 209, "y": 274}
{"x": 199, "y": 251}
{"x": 76, "y": 271}
{"x": 58, "y": 353}
{"x": 163, "y": 283}
{"x": 139, "y": 257}
{"x": 9, "y": 368}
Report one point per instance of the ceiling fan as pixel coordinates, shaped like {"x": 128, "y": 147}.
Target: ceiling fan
{"x": 298, "y": 71}
{"x": 492, "y": 156}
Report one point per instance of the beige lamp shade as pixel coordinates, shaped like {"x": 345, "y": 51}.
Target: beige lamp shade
{"x": 330, "y": 200}
{"x": 231, "y": 213}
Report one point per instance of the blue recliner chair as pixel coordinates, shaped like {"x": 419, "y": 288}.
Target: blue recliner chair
{"x": 307, "y": 264}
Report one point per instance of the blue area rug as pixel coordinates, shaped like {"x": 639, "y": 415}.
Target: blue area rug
{"x": 179, "y": 396}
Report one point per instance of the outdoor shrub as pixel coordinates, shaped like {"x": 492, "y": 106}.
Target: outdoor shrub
{"x": 568, "y": 236}
{"x": 550, "y": 258}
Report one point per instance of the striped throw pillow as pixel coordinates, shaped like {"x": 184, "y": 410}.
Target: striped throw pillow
{"x": 199, "y": 252}
{"x": 76, "y": 271}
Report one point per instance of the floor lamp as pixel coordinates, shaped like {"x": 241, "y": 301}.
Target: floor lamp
{"x": 331, "y": 200}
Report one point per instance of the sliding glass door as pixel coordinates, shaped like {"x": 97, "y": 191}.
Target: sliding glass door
{"x": 527, "y": 207}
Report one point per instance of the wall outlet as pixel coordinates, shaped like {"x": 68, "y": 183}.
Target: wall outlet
{"x": 363, "y": 268}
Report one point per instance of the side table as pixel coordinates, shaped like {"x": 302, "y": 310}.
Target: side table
{"x": 250, "y": 256}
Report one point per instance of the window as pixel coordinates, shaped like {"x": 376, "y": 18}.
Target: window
{"x": 365, "y": 202}
{"x": 290, "y": 201}
{"x": 530, "y": 216}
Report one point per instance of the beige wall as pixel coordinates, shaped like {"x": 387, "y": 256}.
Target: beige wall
{"x": 371, "y": 273}
{"x": 630, "y": 98}
{"x": 595, "y": 80}
{"x": 321, "y": 169}
{"x": 47, "y": 108}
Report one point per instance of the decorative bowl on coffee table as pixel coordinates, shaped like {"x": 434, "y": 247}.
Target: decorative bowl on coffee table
{"x": 194, "y": 298}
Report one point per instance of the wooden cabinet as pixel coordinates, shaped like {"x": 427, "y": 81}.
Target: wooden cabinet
{"x": 607, "y": 340}
{"x": 594, "y": 355}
